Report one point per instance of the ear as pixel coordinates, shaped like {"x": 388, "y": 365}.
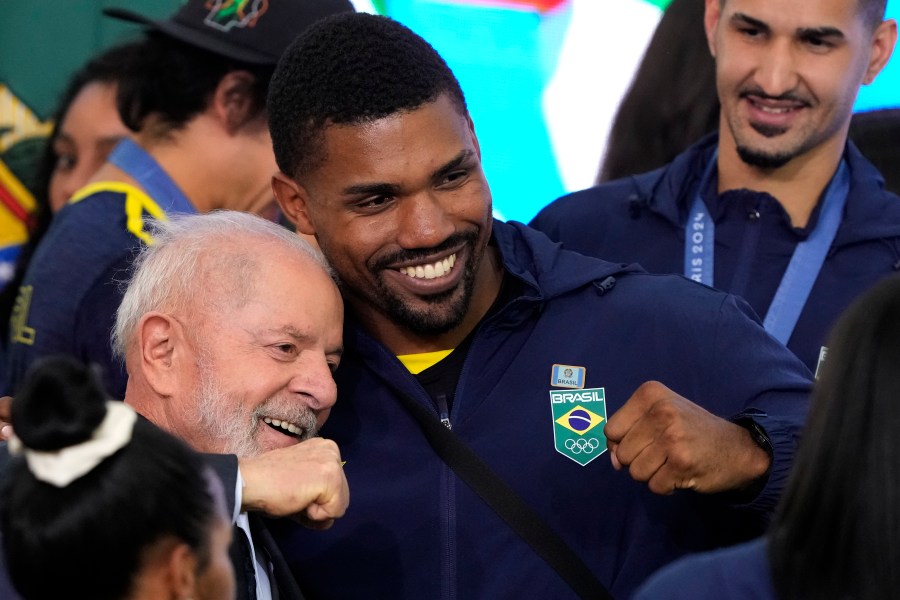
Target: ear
{"x": 883, "y": 41}
{"x": 711, "y": 16}
{"x": 158, "y": 336}
{"x": 182, "y": 571}
{"x": 294, "y": 202}
{"x": 474, "y": 137}
{"x": 233, "y": 102}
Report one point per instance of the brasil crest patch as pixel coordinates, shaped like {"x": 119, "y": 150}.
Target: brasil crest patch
{"x": 578, "y": 419}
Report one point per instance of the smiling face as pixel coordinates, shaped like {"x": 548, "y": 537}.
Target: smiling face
{"x": 788, "y": 73}
{"x": 259, "y": 371}
{"x": 401, "y": 209}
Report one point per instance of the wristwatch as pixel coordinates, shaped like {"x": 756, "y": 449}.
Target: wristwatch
{"x": 757, "y": 433}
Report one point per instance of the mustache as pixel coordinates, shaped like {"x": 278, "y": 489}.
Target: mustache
{"x": 290, "y": 411}
{"x": 417, "y": 254}
{"x": 758, "y": 92}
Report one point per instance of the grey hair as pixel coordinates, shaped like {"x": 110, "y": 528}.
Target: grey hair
{"x": 171, "y": 272}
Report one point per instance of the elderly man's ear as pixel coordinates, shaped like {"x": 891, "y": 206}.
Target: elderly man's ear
{"x": 161, "y": 345}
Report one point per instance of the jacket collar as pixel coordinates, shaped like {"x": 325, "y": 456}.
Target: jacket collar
{"x": 546, "y": 269}
{"x": 871, "y": 211}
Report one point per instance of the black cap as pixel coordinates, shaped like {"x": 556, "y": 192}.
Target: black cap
{"x": 252, "y": 31}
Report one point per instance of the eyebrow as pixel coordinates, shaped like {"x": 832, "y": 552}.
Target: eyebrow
{"x": 303, "y": 338}
{"x": 63, "y": 138}
{"x": 111, "y": 139}
{"x": 452, "y": 164}
{"x": 801, "y": 32}
{"x": 373, "y": 189}
{"x": 392, "y": 189}
{"x": 819, "y": 32}
{"x": 742, "y": 19}
{"x": 107, "y": 140}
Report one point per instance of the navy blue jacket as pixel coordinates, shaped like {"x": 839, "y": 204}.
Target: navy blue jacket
{"x": 641, "y": 219}
{"x": 739, "y": 572}
{"x": 414, "y": 530}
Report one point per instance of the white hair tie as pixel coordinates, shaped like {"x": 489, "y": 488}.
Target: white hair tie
{"x": 62, "y": 467}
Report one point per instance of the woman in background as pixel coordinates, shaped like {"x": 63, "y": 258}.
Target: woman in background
{"x": 102, "y": 504}
{"x": 672, "y": 101}
{"x": 86, "y": 128}
{"x": 836, "y": 533}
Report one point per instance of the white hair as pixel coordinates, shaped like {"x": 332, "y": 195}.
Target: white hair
{"x": 186, "y": 251}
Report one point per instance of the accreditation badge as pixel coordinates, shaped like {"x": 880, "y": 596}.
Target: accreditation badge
{"x": 578, "y": 419}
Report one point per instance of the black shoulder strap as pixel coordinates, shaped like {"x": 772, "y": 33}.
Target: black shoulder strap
{"x": 507, "y": 504}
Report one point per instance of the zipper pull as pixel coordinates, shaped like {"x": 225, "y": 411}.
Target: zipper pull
{"x": 444, "y": 411}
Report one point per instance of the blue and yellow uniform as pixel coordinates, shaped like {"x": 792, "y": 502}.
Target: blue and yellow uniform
{"x": 68, "y": 300}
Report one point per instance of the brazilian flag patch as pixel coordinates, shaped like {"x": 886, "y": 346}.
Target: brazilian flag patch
{"x": 578, "y": 420}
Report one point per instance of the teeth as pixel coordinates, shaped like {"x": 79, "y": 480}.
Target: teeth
{"x": 773, "y": 110}
{"x": 431, "y": 271}
{"x": 289, "y": 427}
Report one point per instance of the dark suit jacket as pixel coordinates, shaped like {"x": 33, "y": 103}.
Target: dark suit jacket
{"x": 225, "y": 466}
{"x": 281, "y": 578}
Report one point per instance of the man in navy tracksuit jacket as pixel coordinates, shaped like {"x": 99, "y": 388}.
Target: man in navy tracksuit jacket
{"x": 416, "y": 531}
{"x": 596, "y": 391}
{"x": 643, "y": 218}
{"x": 778, "y": 207}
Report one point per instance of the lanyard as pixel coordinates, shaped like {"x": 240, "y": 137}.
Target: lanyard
{"x": 139, "y": 165}
{"x": 805, "y": 264}
{"x": 700, "y": 234}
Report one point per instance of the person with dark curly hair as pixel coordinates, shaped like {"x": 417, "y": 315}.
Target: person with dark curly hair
{"x": 593, "y": 391}
{"x": 98, "y": 503}
{"x": 195, "y": 100}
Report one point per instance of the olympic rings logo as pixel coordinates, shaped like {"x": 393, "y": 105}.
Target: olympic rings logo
{"x": 582, "y": 445}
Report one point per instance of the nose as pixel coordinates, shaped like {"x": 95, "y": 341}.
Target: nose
{"x": 66, "y": 183}
{"x": 777, "y": 72}
{"x": 313, "y": 380}
{"x": 62, "y": 186}
{"x": 424, "y": 222}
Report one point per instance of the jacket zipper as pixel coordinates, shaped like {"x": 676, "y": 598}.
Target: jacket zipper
{"x": 444, "y": 411}
{"x": 448, "y": 563}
